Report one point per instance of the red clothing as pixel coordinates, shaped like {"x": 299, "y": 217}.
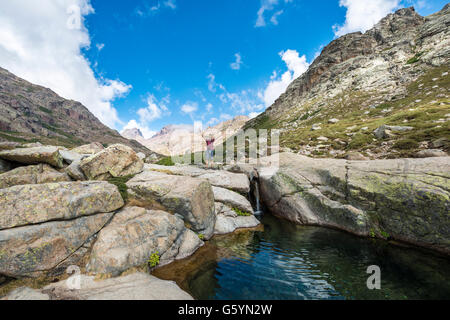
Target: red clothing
{"x": 210, "y": 144}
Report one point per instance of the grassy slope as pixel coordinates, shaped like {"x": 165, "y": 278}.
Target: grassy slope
{"x": 347, "y": 108}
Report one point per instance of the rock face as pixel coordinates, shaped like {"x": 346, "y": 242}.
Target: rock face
{"x": 37, "y": 174}
{"x": 33, "y": 249}
{"x": 75, "y": 172}
{"x": 8, "y": 145}
{"x": 35, "y": 112}
{"x": 190, "y": 197}
{"x": 115, "y": 161}
{"x": 37, "y": 203}
{"x": 179, "y": 139}
{"x": 381, "y": 80}
{"x": 232, "y": 199}
{"x": 404, "y": 199}
{"x": 134, "y": 234}
{"x": 49, "y": 155}
{"x": 25, "y": 293}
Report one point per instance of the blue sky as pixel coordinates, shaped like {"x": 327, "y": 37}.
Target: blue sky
{"x": 159, "y": 62}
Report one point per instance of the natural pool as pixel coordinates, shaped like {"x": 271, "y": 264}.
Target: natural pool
{"x": 285, "y": 261}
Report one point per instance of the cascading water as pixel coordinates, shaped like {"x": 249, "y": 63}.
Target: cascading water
{"x": 258, "y": 211}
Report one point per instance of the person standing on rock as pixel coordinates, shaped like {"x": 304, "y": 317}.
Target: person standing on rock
{"x": 209, "y": 157}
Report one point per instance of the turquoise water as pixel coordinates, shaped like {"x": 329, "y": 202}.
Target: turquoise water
{"x": 286, "y": 261}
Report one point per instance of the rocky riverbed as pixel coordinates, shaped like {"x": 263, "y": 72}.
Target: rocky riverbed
{"x": 125, "y": 216}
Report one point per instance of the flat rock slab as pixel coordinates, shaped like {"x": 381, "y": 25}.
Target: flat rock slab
{"x": 190, "y": 197}
{"x": 219, "y": 178}
{"x": 31, "y": 250}
{"x": 34, "y": 174}
{"x": 134, "y": 234}
{"x": 226, "y": 224}
{"x": 37, "y": 203}
{"x": 136, "y": 286}
{"x": 92, "y": 148}
{"x": 115, "y": 161}
{"x": 49, "y": 155}
{"x": 232, "y": 199}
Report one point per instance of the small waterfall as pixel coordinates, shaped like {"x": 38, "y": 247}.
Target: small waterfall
{"x": 258, "y": 211}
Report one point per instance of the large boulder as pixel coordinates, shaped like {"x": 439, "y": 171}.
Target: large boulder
{"x": 34, "y": 174}
{"x": 49, "y": 155}
{"x": 134, "y": 234}
{"x": 232, "y": 199}
{"x": 115, "y": 161}
{"x": 92, "y": 148}
{"x": 401, "y": 199}
{"x": 190, "y": 197}
{"x": 35, "y": 249}
{"x": 136, "y": 286}
{"x": 37, "y": 203}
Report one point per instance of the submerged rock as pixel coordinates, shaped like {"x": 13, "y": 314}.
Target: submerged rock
{"x": 115, "y": 161}
{"x": 34, "y": 174}
{"x": 36, "y": 155}
{"x": 37, "y": 203}
{"x": 134, "y": 234}
{"x": 190, "y": 197}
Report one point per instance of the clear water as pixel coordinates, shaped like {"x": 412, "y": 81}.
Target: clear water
{"x": 286, "y": 261}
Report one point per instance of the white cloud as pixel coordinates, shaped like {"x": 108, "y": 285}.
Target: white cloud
{"x": 296, "y": 67}
{"x": 362, "y": 15}
{"x": 189, "y": 107}
{"x": 209, "y": 107}
{"x": 170, "y": 4}
{"x": 152, "y": 111}
{"x": 40, "y": 43}
{"x": 100, "y": 46}
{"x": 252, "y": 115}
{"x": 275, "y": 16}
{"x": 237, "y": 64}
{"x": 147, "y": 133}
{"x": 268, "y": 6}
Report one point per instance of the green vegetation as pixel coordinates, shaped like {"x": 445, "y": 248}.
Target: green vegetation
{"x": 167, "y": 161}
{"x": 405, "y": 144}
{"x": 414, "y": 59}
{"x": 153, "y": 261}
{"x": 120, "y": 182}
{"x": 241, "y": 213}
{"x": 201, "y": 236}
{"x": 385, "y": 234}
{"x": 425, "y": 107}
{"x": 43, "y": 109}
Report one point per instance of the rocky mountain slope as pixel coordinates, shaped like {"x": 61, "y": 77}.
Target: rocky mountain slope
{"x": 31, "y": 113}
{"x": 177, "y": 139}
{"x": 395, "y": 74}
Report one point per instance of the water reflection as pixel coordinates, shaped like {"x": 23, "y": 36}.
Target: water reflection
{"x": 285, "y": 261}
